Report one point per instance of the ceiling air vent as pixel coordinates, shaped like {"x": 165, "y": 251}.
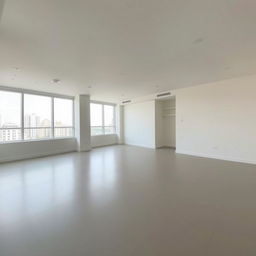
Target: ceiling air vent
{"x": 163, "y": 94}
{"x": 126, "y": 101}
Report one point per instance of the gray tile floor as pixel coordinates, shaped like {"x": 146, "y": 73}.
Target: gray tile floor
{"x": 127, "y": 201}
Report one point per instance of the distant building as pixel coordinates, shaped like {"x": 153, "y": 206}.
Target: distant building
{"x": 9, "y": 133}
{"x": 34, "y": 128}
{"x": 31, "y": 121}
{"x": 60, "y": 132}
{"x": 44, "y": 132}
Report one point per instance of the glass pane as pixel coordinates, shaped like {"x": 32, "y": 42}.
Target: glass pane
{"x": 10, "y": 135}
{"x": 37, "y": 111}
{"x": 63, "y": 112}
{"x": 63, "y": 132}
{"x": 39, "y": 133}
{"x": 109, "y": 130}
{"x": 10, "y": 109}
{"x": 96, "y": 114}
{"x": 96, "y": 131}
{"x": 109, "y": 115}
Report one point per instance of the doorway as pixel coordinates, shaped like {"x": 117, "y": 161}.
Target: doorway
{"x": 166, "y": 123}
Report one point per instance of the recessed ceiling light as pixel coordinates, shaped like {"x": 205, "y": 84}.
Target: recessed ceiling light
{"x": 55, "y": 80}
{"x": 198, "y": 40}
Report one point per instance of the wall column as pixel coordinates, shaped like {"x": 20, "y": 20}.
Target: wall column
{"x": 120, "y": 123}
{"x": 82, "y": 122}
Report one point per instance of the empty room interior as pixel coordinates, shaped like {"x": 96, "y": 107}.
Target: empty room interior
{"x": 127, "y": 128}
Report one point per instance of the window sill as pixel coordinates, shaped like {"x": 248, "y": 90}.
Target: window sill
{"x": 36, "y": 140}
{"x": 111, "y": 134}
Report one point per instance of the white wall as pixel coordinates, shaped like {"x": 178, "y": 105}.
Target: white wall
{"x": 82, "y": 122}
{"x": 120, "y": 123}
{"x": 139, "y": 124}
{"x": 218, "y": 120}
{"x": 31, "y": 149}
{"x": 159, "y": 124}
{"x": 104, "y": 140}
{"x": 169, "y": 126}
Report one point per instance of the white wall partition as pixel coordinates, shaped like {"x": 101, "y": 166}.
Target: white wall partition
{"x": 82, "y": 122}
{"x": 139, "y": 124}
{"x": 218, "y": 120}
{"x": 104, "y": 140}
{"x": 120, "y": 123}
{"x": 31, "y": 149}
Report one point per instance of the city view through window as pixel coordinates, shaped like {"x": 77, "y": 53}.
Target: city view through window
{"x": 102, "y": 119}
{"x": 37, "y": 119}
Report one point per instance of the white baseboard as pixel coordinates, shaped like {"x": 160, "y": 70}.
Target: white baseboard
{"x": 230, "y": 159}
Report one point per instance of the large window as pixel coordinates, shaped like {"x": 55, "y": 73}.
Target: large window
{"x": 10, "y": 116}
{"x": 27, "y": 116}
{"x": 63, "y": 117}
{"x": 102, "y": 119}
{"x": 37, "y": 117}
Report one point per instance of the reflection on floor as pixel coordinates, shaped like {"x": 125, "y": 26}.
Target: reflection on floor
{"x": 124, "y": 200}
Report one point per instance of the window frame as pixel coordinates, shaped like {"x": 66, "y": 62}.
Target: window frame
{"x": 103, "y": 118}
{"x": 52, "y": 127}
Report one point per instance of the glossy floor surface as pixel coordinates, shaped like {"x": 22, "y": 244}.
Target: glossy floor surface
{"x": 127, "y": 201}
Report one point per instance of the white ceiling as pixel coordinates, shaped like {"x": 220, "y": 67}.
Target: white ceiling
{"x": 125, "y": 48}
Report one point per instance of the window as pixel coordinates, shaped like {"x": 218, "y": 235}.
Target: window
{"x": 109, "y": 119}
{"x": 63, "y": 117}
{"x": 10, "y": 116}
{"x": 27, "y": 116}
{"x": 37, "y": 117}
{"x": 96, "y": 119}
{"x": 102, "y": 119}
